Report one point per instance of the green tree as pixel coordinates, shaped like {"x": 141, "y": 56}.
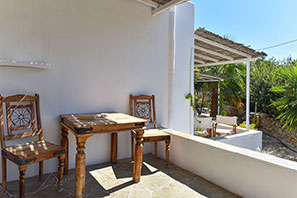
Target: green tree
{"x": 287, "y": 104}
{"x": 233, "y": 86}
{"x": 264, "y": 76}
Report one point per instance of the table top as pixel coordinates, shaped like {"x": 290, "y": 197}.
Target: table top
{"x": 101, "y": 122}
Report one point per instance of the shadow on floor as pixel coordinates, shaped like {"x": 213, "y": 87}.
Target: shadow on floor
{"x": 115, "y": 180}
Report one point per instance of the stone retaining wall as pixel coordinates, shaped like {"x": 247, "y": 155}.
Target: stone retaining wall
{"x": 275, "y": 127}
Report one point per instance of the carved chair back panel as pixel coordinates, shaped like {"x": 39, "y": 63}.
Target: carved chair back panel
{"x": 22, "y": 117}
{"x": 143, "y": 106}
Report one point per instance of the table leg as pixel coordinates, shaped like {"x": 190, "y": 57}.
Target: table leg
{"x": 114, "y": 148}
{"x": 167, "y": 142}
{"x": 138, "y": 156}
{"x": 65, "y": 144}
{"x": 80, "y": 166}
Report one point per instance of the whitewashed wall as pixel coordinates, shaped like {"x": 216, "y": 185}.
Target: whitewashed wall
{"x": 100, "y": 52}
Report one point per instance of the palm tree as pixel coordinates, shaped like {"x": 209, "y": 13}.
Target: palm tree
{"x": 233, "y": 87}
{"x": 287, "y": 104}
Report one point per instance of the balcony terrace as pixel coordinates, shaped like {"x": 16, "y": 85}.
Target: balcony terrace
{"x": 107, "y": 180}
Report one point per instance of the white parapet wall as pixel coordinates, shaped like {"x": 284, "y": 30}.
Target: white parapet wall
{"x": 250, "y": 140}
{"x": 242, "y": 171}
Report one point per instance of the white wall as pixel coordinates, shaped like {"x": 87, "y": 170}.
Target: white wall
{"x": 182, "y": 114}
{"x": 100, "y": 52}
{"x": 250, "y": 140}
{"x": 244, "y": 172}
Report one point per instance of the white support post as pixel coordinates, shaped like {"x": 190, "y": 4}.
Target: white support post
{"x": 219, "y": 98}
{"x": 171, "y": 70}
{"x": 248, "y": 95}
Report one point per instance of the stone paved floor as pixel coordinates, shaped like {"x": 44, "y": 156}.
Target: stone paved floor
{"x": 106, "y": 180}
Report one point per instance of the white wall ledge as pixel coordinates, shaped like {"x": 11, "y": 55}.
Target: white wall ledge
{"x": 242, "y": 171}
{"x": 234, "y": 149}
{"x": 32, "y": 65}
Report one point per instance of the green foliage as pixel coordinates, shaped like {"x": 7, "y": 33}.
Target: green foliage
{"x": 263, "y": 78}
{"x": 190, "y": 97}
{"x": 273, "y": 89}
{"x": 224, "y": 113}
{"x": 233, "y": 86}
{"x": 254, "y": 125}
{"x": 198, "y": 129}
{"x": 200, "y": 135}
{"x": 243, "y": 125}
{"x": 256, "y": 121}
{"x": 203, "y": 95}
{"x": 287, "y": 104}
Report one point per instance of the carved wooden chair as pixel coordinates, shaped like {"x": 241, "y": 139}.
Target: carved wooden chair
{"x": 143, "y": 106}
{"x": 22, "y": 120}
{"x": 224, "y": 120}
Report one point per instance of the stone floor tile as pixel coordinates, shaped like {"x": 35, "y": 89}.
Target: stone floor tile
{"x": 49, "y": 192}
{"x": 109, "y": 180}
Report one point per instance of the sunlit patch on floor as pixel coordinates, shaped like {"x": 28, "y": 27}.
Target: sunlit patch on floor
{"x": 154, "y": 183}
{"x": 106, "y": 177}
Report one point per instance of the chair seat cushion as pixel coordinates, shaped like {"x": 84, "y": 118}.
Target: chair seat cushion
{"x": 31, "y": 152}
{"x": 154, "y": 135}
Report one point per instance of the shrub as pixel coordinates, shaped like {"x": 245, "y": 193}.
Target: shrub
{"x": 243, "y": 125}
{"x": 224, "y": 113}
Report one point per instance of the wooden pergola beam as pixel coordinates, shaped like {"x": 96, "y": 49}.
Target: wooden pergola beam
{"x": 199, "y": 61}
{"x": 206, "y": 57}
{"x": 214, "y": 53}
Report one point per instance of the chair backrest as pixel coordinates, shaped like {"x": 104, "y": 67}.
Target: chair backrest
{"x": 203, "y": 123}
{"x": 232, "y": 120}
{"x": 22, "y": 117}
{"x": 143, "y": 106}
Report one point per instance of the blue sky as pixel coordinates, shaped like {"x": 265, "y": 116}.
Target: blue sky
{"x": 257, "y": 23}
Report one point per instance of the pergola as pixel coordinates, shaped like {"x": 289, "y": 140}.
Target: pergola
{"x": 159, "y": 6}
{"x": 211, "y": 49}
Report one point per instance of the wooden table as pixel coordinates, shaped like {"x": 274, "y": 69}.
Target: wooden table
{"x": 84, "y": 126}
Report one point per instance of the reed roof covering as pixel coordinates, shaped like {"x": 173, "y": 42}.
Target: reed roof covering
{"x": 212, "y": 49}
